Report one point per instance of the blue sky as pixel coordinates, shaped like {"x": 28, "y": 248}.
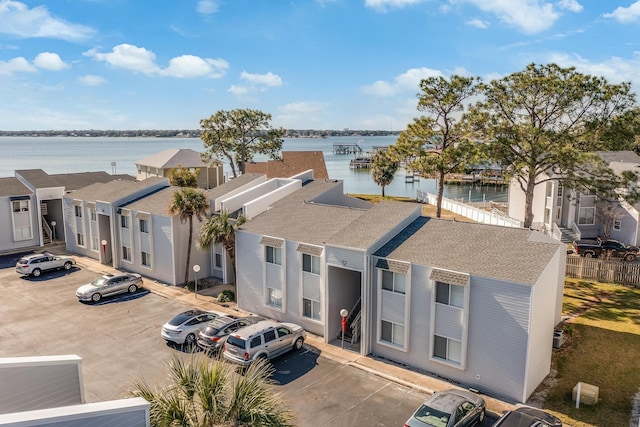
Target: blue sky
{"x": 311, "y": 64}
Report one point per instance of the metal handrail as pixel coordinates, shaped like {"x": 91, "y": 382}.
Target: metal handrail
{"x": 47, "y": 229}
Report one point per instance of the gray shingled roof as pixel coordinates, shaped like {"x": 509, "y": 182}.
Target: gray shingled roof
{"x": 12, "y": 187}
{"x": 70, "y": 181}
{"x": 297, "y": 218}
{"x": 114, "y": 190}
{"x": 509, "y": 254}
{"x": 173, "y": 158}
{"x": 156, "y": 203}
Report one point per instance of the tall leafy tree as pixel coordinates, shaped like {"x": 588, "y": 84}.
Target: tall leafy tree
{"x": 221, "y": 228}
{"x": 183, "y": 177}
{"x": 188, "y": 203}
{"x": 443, "y": 101}
{"x": 383, "y": 167}
{"x": 205, "y": 393}
{"x": 540, "y": 124}
{"x": 238, "y": 135}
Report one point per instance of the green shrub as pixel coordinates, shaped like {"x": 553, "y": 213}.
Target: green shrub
{"x": 226, "y": 296}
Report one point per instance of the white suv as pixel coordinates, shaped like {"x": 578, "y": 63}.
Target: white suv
{"x": 264, "y": 340}
{"x": 34, "y": 265}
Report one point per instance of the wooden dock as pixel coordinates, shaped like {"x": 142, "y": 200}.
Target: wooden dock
{"x": 346, "y": 148}
{"x": 360, "y": 163}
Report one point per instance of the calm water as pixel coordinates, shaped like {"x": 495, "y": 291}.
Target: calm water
{"x": 66, "y": 155}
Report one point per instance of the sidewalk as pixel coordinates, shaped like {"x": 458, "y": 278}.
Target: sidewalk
{"x": 383, "y": 368}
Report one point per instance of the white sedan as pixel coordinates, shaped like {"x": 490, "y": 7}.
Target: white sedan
{"x": 109, "y": 284}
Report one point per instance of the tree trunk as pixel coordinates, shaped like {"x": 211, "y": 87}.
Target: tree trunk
{"x": 383, "y": 191}
{"x": 186, "y": 270}
{"x": 528, "y": 201}
{"x": 440, "y": 193}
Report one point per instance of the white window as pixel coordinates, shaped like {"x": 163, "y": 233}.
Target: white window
{"x": 20, "y": 206}
{"x": 450, "y": 294}
{"x": 124, "y": 221}
{"x": 273, "y": 255}
{"x": 447, "y": 349}
{"x": 92, "y": 214}
{"x": 617, "y": 224}
{"x": 275, "y": 297}
{"x": 126, "y": 253}
{"x": 310, "y": 264}
{"x": 587, "y": 216}
{"x": 392, "y": 333}
{"x": 145, "y": 258}
{"x": 394, "y": 282}
{"x": 144, "y": 226}
{"x": 311, "y": 308}
{"x": 94, "y": 243}
{"x": 78, "y": 211}
{"x": 80, "y": 239}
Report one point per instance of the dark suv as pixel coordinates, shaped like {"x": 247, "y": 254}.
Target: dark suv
{"x": 527, "y": 417}
{"x": 213, "y": 337}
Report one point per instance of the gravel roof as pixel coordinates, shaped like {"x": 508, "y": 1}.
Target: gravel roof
{"x": 510, "y": 254}
{"x": 114, "y": 190}
{"x": 70, "y": 181}
{"x": 10, "y": 186}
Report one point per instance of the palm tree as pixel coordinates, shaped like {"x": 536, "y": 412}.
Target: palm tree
{"x": 382, "y": 169}
{"x": 221, "y": 229}
{"x": 206, "y": 393}
{"x": 187, "y": 203}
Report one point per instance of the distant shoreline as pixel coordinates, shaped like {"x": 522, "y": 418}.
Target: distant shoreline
{"x": 185, "y": 133}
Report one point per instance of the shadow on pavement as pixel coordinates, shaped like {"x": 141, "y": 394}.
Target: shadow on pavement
{"x": 293, "y": 365}
{"x": 119, "y": 298}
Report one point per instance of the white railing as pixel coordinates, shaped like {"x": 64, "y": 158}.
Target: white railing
{"x": 468, "y": 211}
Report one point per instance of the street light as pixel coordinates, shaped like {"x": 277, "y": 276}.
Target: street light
{"x": 53, "y": 229}
{"x": 196, "y": 268}
{"x": 344, "y": 313}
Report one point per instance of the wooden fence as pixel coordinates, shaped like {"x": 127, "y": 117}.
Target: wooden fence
{"x": 610, "y": 271}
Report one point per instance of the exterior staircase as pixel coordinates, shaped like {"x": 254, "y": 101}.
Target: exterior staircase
{"x": 352, "y": 334}
{"x": 568, "y": 235}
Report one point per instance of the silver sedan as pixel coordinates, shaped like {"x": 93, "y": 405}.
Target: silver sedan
{"x": 109, "y": 284}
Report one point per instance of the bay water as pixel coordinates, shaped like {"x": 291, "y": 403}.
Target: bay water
{"x": 56, "y": 155}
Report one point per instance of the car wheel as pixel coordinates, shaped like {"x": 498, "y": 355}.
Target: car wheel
{"x": 67, "y": 265}
{"x": 630, "y": 257}
{"x": 96, "y": 297}
{"x": 190, "y": 340}
{"x": 132, "y": 288}
{"x": 36, "y": 272}
{"x": 298, "y": 344}
{"x": 588, "y": 255}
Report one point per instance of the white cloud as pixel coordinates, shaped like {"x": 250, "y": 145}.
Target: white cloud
{"x": 18, "y": 20}
{"x": 189, "y": 66}
{"x": 91, "y": 80}
{"x": 570, "y": 5}
{"x": 238, "y": 90}
{"x": 207, "y": 7}
{"x": 50, "y": 61}
{"x": 16, "y": 65}
{"x": 615, "y": 69}
{"x": 302, "y": 108}
{"x": 625, "y": 15}
{"x": 530, "y": 16}
{"x": 407, "y": 81}
{"x": 479, "y": 23}
{"x": 268, "y": 79}
{"x": 385, "y": 5}
{"x": 294, "y": 114}
{"x": 141, "y": 60}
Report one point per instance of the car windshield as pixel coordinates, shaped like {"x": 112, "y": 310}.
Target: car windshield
{"x": 100, "y": 281}
{"x": 215, "y": 325}
{"x": 236, "y": 341}
{"x": 23, "y": 261}
{"x": 431, "y": 416}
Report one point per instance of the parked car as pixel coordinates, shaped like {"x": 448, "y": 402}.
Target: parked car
{"x": 212, "y": 338}
{"x": 109, "y": 284}
{"x": 599, "y": 247}
{"x": 448, "y": 408}
{"x": 34, "y": 265}
{"x": 527, "y": 417}
{"x": 185, "y": 327}
{"x": 263, "y": 340}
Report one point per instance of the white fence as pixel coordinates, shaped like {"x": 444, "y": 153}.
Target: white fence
{"x": 467, "y": 211}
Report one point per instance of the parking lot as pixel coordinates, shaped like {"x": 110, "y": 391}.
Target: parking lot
{"x": 119, "y": 342}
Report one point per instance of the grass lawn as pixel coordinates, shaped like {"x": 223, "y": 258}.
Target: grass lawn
{"x": 427, "y": 210}
{"x": 602, "y": 349}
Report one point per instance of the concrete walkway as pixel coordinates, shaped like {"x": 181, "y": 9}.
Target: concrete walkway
{"x": 383, "y": 368}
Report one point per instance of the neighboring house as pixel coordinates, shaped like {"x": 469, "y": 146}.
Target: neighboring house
{"x": 555, "y": 209}
{"x": 210, "y": 174}
{"x": 292, "y": 163}
{"x": 18, "y": 207}
{"x": 473, "y": 303}
{"x": 40, "y": 194}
